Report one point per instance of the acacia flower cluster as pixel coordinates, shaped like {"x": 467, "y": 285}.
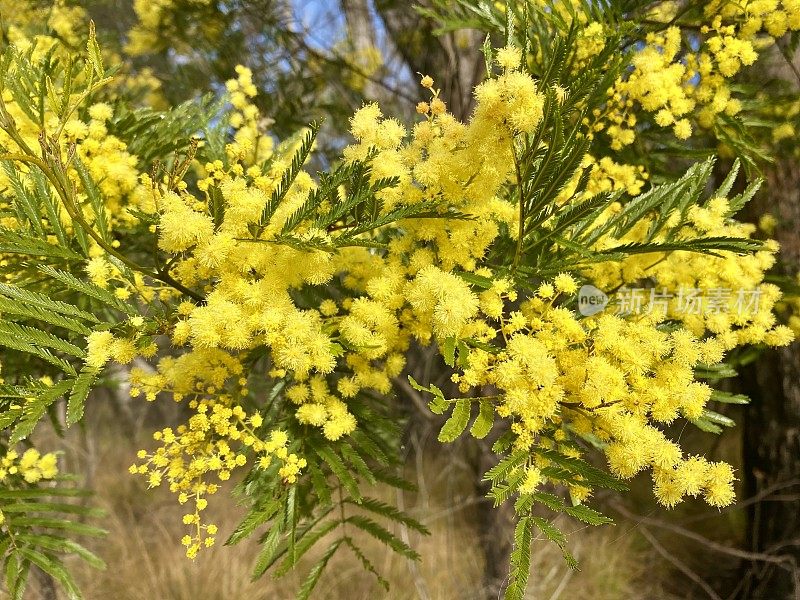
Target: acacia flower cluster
{"x": 558, "y": 377}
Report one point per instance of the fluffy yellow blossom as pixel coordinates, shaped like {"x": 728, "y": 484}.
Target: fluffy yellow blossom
{"x": 30, "y": 467}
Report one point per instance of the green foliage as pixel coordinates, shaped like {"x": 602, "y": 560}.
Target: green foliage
{"x": 520, "y": 559}
{"x": 302, "y": 518}
{"x": 354, "y": 213}
{"x": 37, "y": 532}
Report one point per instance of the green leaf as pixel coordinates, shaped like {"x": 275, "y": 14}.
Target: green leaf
{"x": 488, "y": 53}
{"x": 95, "y": 199}
{"x": 55, "y": 570}
{"x": 462, "y": 359}
{"x": 64, "y": 492}
{"x": 476, "y": 280}
{"x": 455, "y": 425}
{"x": 726, "y": 186}
{"x": 36, "y": 337}
{"x": 580, "y": 511}
{"x": 704, "y": 424}
{"x": 366, "y": 563}
{"x": 354, "y": 458}
{"x": 60, "y": 524}
{"x": 289, "y": 175}
{"x": 306, "y": 542}
{"x": 449, "y": 351}
{"x": 728, "y": 398}
{"x": 552, "y": 533}
{"x": 587, "y": 515}
{"x": 505, "y": 466}
{"x": 88, "y": 289}
{"x": 718, "y": 418}
{"x": 93, "y": 50}
{"x": 389, "y": 478}
{"x": 369, "y": 446}
{"x": 80, "y": 391}
{"x": 339, "y": 469}
{"x": 382, "y": 534}
{"x": 52, "y": 507}
{"x": 45, "y": 302}
{"x": 320, "y": 483}
{"x": 252, "y": 520}
{"x": 15, "y": 343}
{"x": 502, "y": 491}
{"x": 269, "y": 551}
{"x": 576, "y": 466}
{"x": 25, "y": 203}
{"x": 392, "y": 513}
{"x": 504, "y": 442}
{"x": 10, "y": 307}
{"x": 707, "y": 245}
{"x": 16, "y": 576}
{"x": 316, "y": 572}
{"x": 520, "y": 559}
{"x": 438, "y": 404}
{"x": 19, "y": 242}
{"x": 62, "y": 545}
{"x": 484, "y": 421}
{"x": 34, "y": 409}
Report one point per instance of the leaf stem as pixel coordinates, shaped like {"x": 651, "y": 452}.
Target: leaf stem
{"x": 521, "y": 228}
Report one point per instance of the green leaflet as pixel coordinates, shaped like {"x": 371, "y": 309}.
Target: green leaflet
{"x": 339, "y": 469}
{"x": 29, "y": 297}
{"x": 553, "y": 534}
{"x": 35, "y": 407}
{"x": 36, "y": 313}
{"x": 39, "y": 527}
{"x": 520, "y": 559}
{"x": 455, "y": 425}
{"x": 382, "y": 534}
{"x": 316, "y": 571}
{"x": 80, "y": 391}
{"x": 484, "y": 421}
{"x": 88, "y": 289}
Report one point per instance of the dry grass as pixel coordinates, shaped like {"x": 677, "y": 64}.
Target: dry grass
{"x": 146, "y": 562}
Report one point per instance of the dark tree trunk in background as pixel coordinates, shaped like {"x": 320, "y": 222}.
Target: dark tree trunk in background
{"x": 771, "y": 471}
{"x": 772, "y": 421}
{"x": 495, "y": 528}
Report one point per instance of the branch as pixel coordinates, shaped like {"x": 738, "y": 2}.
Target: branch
{"x": 710, "y": 544}
{"x": 679, "y": 565}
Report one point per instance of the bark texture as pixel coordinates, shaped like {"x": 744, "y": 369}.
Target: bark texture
{"x": 772, "y": 422}
{"x": 771, "y": 461}
{"x": 453, "y": 60}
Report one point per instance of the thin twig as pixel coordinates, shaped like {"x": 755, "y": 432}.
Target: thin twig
{"x": 415, "y": 396}
{"x": 678, "y": 564}
{"x": 710, "y": 544}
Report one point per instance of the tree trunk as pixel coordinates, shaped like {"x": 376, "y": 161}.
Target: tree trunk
{"x": 772, "y": 422}
{"x": 495, "y": 528}
{"x": 361, "y": 31}
{"x": 453, "y": 59}
{"x": 771, "y": 462}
